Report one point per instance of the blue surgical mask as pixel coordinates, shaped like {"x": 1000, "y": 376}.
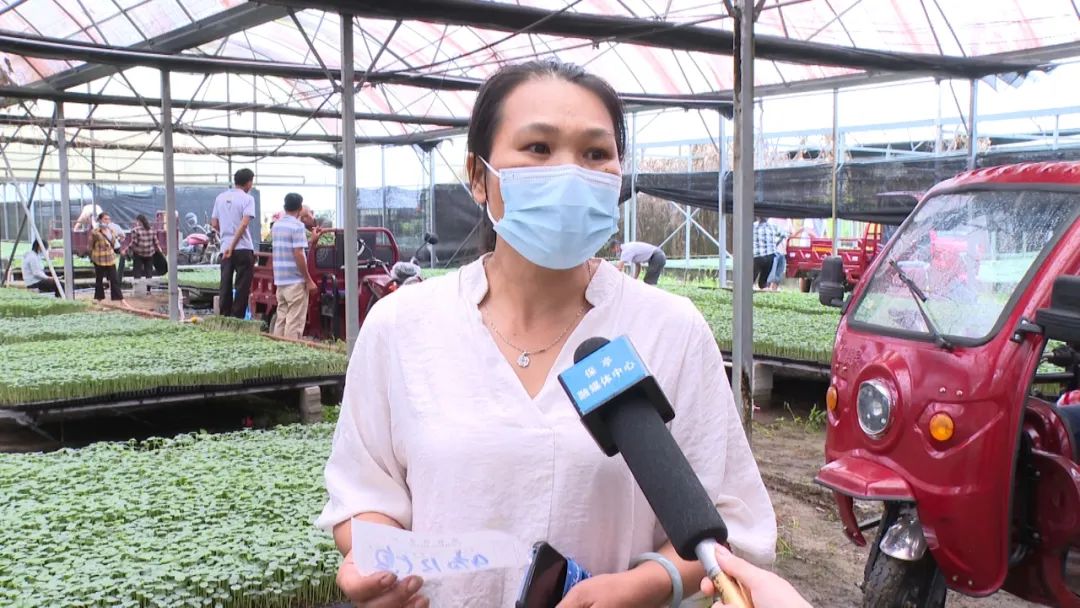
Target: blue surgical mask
{"x": 559, "y": 216}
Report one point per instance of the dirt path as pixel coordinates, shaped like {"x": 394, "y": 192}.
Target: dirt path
{"x": 812, "y": 551}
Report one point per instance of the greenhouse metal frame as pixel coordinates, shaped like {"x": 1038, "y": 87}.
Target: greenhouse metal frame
{"x": 405, "y": 73}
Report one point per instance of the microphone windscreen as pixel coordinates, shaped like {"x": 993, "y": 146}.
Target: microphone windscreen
{"x": 588, "y": 347}
{"x": 673, "y": 490}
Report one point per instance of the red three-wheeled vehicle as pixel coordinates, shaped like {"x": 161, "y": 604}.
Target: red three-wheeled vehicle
{"x": 380, "y": 273}
{"x": 952, "y": 399}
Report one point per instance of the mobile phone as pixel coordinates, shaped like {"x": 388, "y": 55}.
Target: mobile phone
{"x": 545, "y": 582}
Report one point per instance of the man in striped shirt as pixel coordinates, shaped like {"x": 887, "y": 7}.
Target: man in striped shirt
{"x": 290, "y": 270}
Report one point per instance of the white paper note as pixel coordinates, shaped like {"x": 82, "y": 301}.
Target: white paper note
{"x": 379, "y": 548}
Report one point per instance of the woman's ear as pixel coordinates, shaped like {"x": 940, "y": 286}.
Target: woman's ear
{"x": 477, "y": 178}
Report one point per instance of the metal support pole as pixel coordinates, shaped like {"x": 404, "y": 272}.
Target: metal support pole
{"x": 431, "y": 204}
{"x": 722, "y": 224}
{"x": 973, "y": 132}
{"x": 348, "y": 188}
{"x": 65, "y": 203}
{"x": 255, "y": 227}
{"x": 4, "y": 214}
{"x": 939, "y": 130}
{"x": 688, "y": 226}
{"x": 431, "y": 191}
{"x": 835, "y": 168}
{"x": 742, "y": 350}
{"x": 627, "y": 204}
{"x": 631, "y": 229}
{"x": 228, "y": 125}
{"x": 172, "y": 242}
{"x": 382, "y": 186}
{"x": 339, "y": 197}
{"x": 1057, "y": 131}
{"x": 53, "y": 213}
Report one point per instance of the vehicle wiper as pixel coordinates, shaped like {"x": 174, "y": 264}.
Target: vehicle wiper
{"x": 920, "y": 298}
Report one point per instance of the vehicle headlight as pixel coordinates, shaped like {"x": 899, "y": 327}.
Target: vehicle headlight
{"x": 874, "y": 405}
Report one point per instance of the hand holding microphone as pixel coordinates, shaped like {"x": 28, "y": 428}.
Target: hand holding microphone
{"x": 765, "y": 588}
{"x": 625, "y": 411}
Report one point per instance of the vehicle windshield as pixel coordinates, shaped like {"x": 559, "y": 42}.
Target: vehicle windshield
{"x": 967, "y": 252}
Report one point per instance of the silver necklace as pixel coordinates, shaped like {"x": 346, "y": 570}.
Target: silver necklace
{"x": 525, "y": 358}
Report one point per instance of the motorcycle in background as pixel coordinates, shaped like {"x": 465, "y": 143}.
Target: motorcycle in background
{"x": 202, "y": 246}
{"x": 407, "y": 273}
{"x": 401, "y": 274}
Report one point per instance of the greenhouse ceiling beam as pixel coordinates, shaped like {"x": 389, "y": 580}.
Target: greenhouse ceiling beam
{"x": 203, "y": 31}
{"x": 330, "y": 159}
{"x": 121, "y": 100}
{"x": 73, "y": 50}
{"x": 183, "y": 129}
{"x": 1042, "y": 55}
{"x": 54, "y": 48}
{"x": 504, "y": 16}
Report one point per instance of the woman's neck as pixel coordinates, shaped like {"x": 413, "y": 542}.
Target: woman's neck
{"x": 530, "y": 291}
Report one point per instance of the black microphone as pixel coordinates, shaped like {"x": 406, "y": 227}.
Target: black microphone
{"x": 623, "y": 408}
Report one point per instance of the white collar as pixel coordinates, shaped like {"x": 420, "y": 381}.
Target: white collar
{"x": 473, "y": 283}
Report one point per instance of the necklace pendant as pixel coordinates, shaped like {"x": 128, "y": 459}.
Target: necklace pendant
{"x": 523, "y": 360}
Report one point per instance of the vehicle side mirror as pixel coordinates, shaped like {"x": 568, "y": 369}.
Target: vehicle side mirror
{"x": 831, "y": 282}
{"x": 1062, "y": 320}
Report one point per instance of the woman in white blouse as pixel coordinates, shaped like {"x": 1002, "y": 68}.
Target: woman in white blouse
{"x": 453, "y": 418}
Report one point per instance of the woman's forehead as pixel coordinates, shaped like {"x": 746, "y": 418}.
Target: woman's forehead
{"x": 550, "y": 104}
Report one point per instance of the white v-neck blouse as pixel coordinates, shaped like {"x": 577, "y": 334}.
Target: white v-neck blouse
{"x": 437, "y": 432}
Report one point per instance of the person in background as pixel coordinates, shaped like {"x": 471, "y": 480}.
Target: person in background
{"x": 192, "y": 222}
{"x": 233, "y": 210}
{"x": 273, "y": 220}
{"x": 638, "y": 254}
{"x": 887, "y": 232}
{"x": 290, "y": 271}
{"x": 118, "y": 235}
{"x": 307, "y": 217}
{"x": 179, "y": 233}
{"x": 103, "y": 255}
{"x": 766, "y": 238}
{"x": 779, "y": 267}
{"x": 144, "y": 244}
{"x": 33, "y": 271}
{"x": 86, "y": 220}
{"x": 766, "y": 589}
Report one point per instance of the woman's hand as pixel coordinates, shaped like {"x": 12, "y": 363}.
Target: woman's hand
{"x": 381, "y": 590}
{"x": 623, "y": 590}
{"x": 766, "y": 589}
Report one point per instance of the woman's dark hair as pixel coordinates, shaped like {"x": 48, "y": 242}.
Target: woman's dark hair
{"x": 486, "y": 113}
{"x": 141, "y": 219}
{"x": 101, "y": 215}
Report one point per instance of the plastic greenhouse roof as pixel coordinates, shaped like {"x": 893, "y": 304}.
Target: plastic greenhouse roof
{"x": 309, "y": 36}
